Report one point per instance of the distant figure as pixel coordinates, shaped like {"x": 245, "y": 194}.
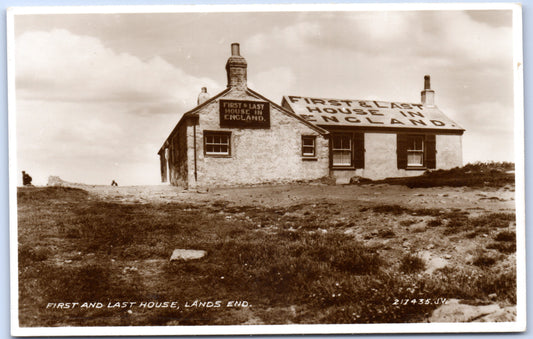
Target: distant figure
{"x": 114, "y": 183}
{"x": 26, "y": 179}
{"x": 203, "y": 96}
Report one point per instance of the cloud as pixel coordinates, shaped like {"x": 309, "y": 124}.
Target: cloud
{"x": 446, "y": 37}
{"x": 59, "y": 65}
{"x": 494, "y": 117}
{"x": 297, "y": 36}
{"x": 273, "y": 82}
{"x": 89, "y": 142}
{"x": 89, "y": 113}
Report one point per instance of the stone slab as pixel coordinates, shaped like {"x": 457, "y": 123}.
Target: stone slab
{"x": 184, "y": 254}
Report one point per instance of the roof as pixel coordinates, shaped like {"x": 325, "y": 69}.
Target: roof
{"x": 193, "y": 113}
{"x": 330, "y": 113}
{"x": 190, "y": 114}
{"x": 289, "y": 112}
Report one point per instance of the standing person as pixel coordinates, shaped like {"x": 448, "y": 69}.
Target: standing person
{"x": 26, "y": 179}
{"x": 114, "y": 183}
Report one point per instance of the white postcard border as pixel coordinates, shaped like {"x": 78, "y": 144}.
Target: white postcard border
{"x": 518, "y": 326}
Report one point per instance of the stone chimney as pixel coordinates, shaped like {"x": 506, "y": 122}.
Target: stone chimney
{"x": 236, "y": 69}
{"x": 428, "y": 95}
{"x": 203, "y": 96}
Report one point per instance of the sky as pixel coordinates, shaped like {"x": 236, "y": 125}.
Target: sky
{"x": 97, "y": 94}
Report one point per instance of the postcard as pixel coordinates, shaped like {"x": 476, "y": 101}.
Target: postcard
{"x": 266, "y": 169}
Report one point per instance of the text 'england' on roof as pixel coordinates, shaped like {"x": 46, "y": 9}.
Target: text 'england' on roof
{"x": 329, "y": 113}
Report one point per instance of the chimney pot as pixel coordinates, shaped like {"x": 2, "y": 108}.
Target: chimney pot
{"x": 235, "y": 49}
{"x": 427, "y": 82}
{"x": 428, "y": 95}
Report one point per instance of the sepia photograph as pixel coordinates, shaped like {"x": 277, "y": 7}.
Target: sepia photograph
{"x": 266, "y": 169}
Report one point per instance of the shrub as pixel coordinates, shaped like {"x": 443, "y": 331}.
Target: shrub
{"x": 503, "y": 247}
{"x": 28, "y": 254}
{"x": 388, "y": 233}
{"x": 493, "y": 174}
{"x": 89, "y": 283}
{"x": 471, "y": 235}
{"x": 407, "y": 222}
{"x": 456, "y": 223}
{"x": 474, "y": 284}
{"x": 435, "y": 222}
{"x": 484, "y": 261}
{"x": 392, "y": 209}
{"x": 495, "y": 220}
{"x": 427, "y": 211}
{"x": 503, "y": 284}
{"x": 356, "y": 260}
{"x": 398, "y": 210}
{"x": 505, "y": 236}
{"x": 411, "y": 264}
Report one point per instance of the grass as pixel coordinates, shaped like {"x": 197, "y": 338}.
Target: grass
{"x": 75, "y": 248}
{"x": 494, "y": 220}
{"x": 399, "y": 210}
{"x": 262, "y": 268}
{"x": 470, "y": 283}
{"x": 492, "y": 174}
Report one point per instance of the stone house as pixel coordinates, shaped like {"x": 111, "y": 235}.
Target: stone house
{"x": 240, "y": 137}
{"x": 377, "y": 139}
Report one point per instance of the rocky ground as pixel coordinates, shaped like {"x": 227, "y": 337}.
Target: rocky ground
{"x": 437, "y": 254}
{"x": 457, "y": 233}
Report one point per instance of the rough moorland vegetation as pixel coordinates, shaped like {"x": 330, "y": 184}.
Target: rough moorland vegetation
{"x": 479, "y": 174}
{"x": 313, "y": 262}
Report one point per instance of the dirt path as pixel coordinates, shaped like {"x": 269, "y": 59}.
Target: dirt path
{"x": 473, "y": 200}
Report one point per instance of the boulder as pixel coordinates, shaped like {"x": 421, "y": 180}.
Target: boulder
{"x": 455, "y": 311}
{"x": 184, "y": 254}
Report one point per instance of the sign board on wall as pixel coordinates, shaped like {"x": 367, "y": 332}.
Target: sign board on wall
{"x": 244, "y": 114}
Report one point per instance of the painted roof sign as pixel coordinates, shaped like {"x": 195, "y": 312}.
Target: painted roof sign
{"x": 368, "y": 113}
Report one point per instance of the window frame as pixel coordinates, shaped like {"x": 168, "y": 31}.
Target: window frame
{"x": 351, "y": 150}
{"x": 411, "y": 141}
{"x": 303, "y": 153}
{"x": 225, "y": 134}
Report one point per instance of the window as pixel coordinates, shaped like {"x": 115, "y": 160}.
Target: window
{"x": 217, "y": 143}
{"x": 415, "y": 150}
{"x": 308, "y": 146}
{"x": 342, "y": 150}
